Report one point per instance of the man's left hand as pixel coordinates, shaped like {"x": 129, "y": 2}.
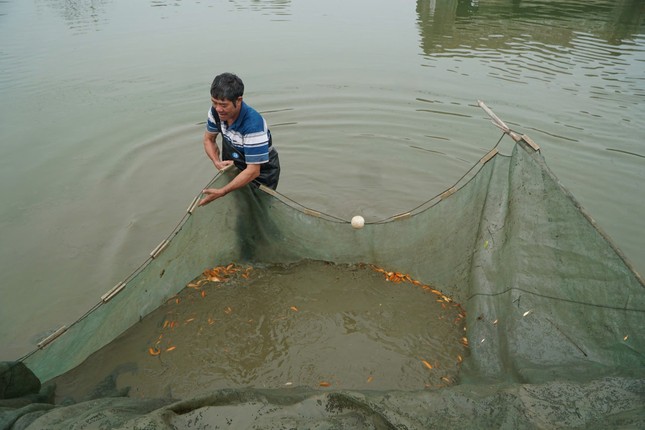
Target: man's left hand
{"x": 211, "y": 194}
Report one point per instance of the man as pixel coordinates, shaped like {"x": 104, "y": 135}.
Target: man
{"x": 246, "y": 139}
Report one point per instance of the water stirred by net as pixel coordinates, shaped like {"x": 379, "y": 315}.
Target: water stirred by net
{"x": 313, "y": 324}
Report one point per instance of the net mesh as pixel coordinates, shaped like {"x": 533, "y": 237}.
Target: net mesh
{"x": 554, "y": 310}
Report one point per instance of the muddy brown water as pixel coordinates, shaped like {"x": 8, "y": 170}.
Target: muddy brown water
{"x": 271, "y": 327}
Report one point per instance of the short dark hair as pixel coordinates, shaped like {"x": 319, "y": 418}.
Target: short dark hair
{"x": 227, "y": 86}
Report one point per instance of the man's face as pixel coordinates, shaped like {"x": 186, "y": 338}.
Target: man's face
{"x": 226, "y": 109}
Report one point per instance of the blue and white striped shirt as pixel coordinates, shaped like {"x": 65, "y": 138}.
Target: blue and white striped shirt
{"x": 248, "y": 137}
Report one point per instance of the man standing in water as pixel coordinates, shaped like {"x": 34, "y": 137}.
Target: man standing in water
{"x": 246, "y": 139}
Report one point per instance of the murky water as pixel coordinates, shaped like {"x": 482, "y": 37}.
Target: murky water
{"x": 310, "y": 324}
{"x": 371, "y": 107}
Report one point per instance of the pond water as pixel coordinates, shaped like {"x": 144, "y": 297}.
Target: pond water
{"x": 312, "y": 324}
{"x": 372, "y": 108}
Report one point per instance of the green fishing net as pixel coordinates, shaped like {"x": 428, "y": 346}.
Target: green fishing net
{"x": 553, "y": 313}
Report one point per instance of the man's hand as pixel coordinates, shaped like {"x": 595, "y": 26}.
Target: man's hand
{"x": 211, "y": 194}
{"x": 251, "y": 172}
{"x": 221, "y": 165}
{"x": 210, "y": 146}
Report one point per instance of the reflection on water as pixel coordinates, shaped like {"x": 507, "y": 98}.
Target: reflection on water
{"x": 81, "y": 15}
{"x": 274, "y": 7}
{"x": 457, "y": 24}
{"x": 311, "y": 324}
{"x": 583, "y": 47}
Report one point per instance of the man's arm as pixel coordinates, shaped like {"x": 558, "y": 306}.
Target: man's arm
{"x": 247, "y": 175}
{"x": 212, "y": 150}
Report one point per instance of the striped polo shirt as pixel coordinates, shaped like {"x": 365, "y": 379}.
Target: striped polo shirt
{"x": 248, "y": 137}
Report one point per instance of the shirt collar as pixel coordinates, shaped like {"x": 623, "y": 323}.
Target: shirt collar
{"x": 239, "y": 118}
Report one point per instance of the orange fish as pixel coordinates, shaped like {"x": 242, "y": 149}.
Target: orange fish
{"x": 426, "y": 364}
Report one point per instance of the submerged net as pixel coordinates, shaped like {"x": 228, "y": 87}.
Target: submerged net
{"x": 554, "y": 313}
{"x": 311, "y": 324}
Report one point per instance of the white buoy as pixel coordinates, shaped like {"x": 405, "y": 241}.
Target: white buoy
{"x": 358, "y": 222}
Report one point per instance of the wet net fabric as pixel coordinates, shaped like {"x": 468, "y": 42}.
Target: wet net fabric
{"x": 555, "y": 314}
